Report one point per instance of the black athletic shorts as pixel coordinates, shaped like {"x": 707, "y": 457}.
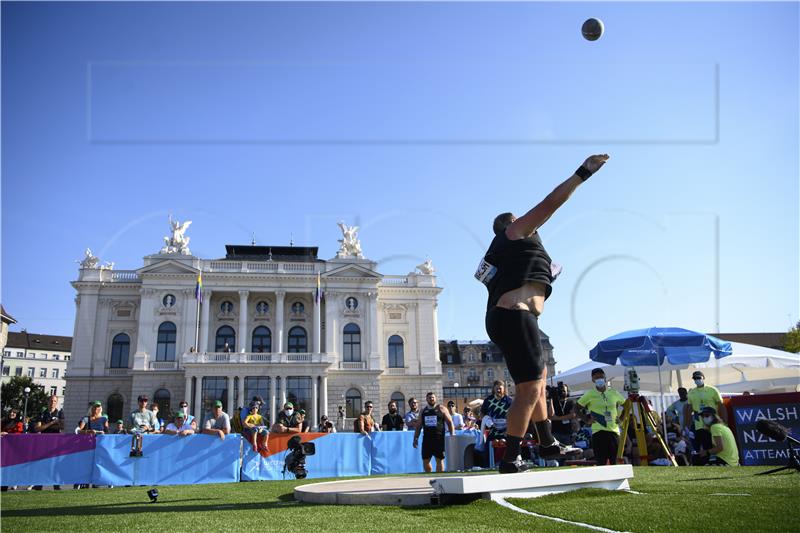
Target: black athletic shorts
{"x": 432, "y": 446}
{"x": 516, "y": 333}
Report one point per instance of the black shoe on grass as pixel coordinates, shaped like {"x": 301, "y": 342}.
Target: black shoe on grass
{"x": 558, "y": 450}
{"x": 513, "y": 468}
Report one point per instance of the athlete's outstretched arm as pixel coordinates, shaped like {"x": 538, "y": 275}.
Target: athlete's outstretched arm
{"x": 536, "y": 217}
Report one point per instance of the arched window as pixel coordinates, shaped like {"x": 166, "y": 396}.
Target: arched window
{"x": 120, "y": 348}
{"x": 298, "y": 340}
{"x": 396, "y": 359}
{"x": 225, "y": 334}
{"x": 165, "y": 349}
{"x": 352, "y": 343}
{"x": 262, "y": 340}
{"x": 114, "y": 407}
{"x": 398, "y": 397}
{"x": 162, "y": 397}
{"x": 352, "y": 403}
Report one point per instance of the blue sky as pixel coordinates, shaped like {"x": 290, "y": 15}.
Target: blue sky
{"x": 418, "y": 122}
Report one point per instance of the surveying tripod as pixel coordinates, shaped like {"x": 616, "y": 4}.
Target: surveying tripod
{"x": 644, "y": 420}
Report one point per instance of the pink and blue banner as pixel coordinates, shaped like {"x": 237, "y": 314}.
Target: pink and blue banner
{"x": 44, "y": 459}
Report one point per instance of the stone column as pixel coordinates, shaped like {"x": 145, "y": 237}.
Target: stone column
{"x": 280, "y": 296}
{"x": 188, "y": 391}
{"x": 283, "y": 390}
{"x": 147, "y": 330}
{"x": 374, "y": 342}
{"x": 204, "y": 321}
{"x": 331, "y": 305}
{"x": 198, "y": 400}
{"x": 242, "y": 334}
{"x": 324, "y": 395}
{"x": 272, "y": 392}
{"x": 244, "y": 401}
{"x": 230, "y": 394}
{"x": 314, "y": 401}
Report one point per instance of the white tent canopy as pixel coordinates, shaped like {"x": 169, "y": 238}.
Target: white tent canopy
{"x": 749, "y": 368}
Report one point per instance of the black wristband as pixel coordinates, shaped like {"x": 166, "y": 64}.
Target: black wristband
{"x": 583, "y": 173}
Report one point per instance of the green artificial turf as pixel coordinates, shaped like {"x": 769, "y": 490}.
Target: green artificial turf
{"x": 673, "y": 499}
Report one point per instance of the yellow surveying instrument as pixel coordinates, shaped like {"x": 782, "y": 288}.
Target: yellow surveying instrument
{"x": 644, "y": 419}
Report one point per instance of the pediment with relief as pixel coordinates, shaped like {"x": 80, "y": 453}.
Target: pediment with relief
{"x": 168, "y": 267}
{"x": 352, "y": 271}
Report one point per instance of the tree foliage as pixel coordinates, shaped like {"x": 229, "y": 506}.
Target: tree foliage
{"x": 792, "y": 341}
{"x": 12, "y": 396}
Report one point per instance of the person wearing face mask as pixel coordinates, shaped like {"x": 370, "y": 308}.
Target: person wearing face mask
{"x": 392, "y": 421}
{"x": 288, "y": 421}
{"x": 724, "y": 451}
{"x": 702, "y": 396}
{"x": 604, "y": 404}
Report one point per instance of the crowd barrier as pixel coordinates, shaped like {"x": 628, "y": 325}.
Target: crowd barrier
{"x": 171, "y": 460}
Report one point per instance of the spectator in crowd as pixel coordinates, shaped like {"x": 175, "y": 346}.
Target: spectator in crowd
{"x": 604, "y": 404}
{"x": 142, "y": 421}
{"x": 246, "y": 410}
{"x": 254, "y": 429}
{"x": 325, "y": 425}
{"x": 179, "y": 426}
{"x": 469, "y": 418}
{"x": 189, "y": 418}
{"x": 288, "y": 420}
{"x": 677, "y": 409}
{"x": 680, "y": 449}
{"x": 158, "y": 425}
{"x": 219, "y": 424}
{"x": 365, "y": 424}
{"x": 392, "y": 421}
{"x": 432, "y": 421}
{"x": 95, "y": 423}
{"x": 563, "y": 413}
{"x": 12, "y": 423}
{"x": 701, "y": 396}
{"x": 458, "y": 420}
{"x": 656, "y": 455}
{"x": 583, "y": 438}
{"x": 496, "y": 407}
{"x": 412, "y": 414}
{"x": 305, "y": 427}
{"x": 119, "y": 428}
{"x": 52, "y": 419}
{"x": 724, "y": 451}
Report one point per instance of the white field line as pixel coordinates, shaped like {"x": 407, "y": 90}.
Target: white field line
{"x": 504, "y": 503}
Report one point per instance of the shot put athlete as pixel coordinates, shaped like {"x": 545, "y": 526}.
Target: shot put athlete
{"x": 519, "y": 274}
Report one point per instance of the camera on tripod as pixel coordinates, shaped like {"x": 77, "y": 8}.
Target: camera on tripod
{"x": 295, "y": 461}
{"x": 631, "y": 381}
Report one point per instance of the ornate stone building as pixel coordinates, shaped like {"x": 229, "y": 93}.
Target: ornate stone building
{"x": 261, "y": 327}
{"x": 470, "y": 368}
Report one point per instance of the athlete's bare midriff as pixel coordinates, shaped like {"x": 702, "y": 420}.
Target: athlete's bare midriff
{"x": 528, "y": 297}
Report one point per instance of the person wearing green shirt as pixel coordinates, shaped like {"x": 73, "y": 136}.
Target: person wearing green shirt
{"x": 724, "y": 452}
{"x": 604, "y": 404}
{"x": 702, "y": 396}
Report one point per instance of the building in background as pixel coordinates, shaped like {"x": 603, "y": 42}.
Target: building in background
{"x": 41, "y": 357}
{"x": 274, "y": 321}
{"x": 470, "y": 368}
{"x": 5, "y": 321}
{"x": 767, "y": 340}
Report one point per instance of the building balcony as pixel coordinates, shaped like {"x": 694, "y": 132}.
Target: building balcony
{"x": 352, "y": 365}
{"x": 395, "y": 371}
{"x": 163, "y": 365}
{"x": 252, "y": 358}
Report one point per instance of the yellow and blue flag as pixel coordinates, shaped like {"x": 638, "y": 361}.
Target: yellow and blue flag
{"x": 198, "y": 290}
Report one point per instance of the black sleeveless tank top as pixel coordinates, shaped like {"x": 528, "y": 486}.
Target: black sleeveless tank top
{"x": 517, "y": 262}
{"x": 427, "y": 420}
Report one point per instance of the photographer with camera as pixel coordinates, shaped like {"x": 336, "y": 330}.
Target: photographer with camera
{"x": 142, "y": 421}
{"x": 563, "y": 412}
{"x": 325, "y": 425}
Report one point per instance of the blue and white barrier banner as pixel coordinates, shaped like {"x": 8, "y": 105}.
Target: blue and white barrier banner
{"x": 166, "y": 460}
{"x": 393, "y": 452}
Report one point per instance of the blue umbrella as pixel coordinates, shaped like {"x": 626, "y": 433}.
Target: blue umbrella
{"x": 651, "y": 346}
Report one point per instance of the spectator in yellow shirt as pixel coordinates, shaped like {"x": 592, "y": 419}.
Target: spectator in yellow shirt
{"x": 724, "y": 451}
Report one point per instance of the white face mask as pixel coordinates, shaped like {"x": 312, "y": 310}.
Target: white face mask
{"x": 600, "y": 383}
{"x": 289, "y": 412}
{"x": 708, "y": 420}
{"x": 698, "y": 382}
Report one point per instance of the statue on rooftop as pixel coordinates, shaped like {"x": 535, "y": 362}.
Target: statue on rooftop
{"x": 349, "y": 243}
{"x": 177, "y": 242}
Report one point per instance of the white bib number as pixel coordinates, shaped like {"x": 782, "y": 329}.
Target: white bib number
{"x": 500, "y": 423}
{"x": 431, "y": 421}
{"x": 486, "y": 271}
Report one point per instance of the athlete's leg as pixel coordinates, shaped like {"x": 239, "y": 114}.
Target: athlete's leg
{"x": 426, "y": 464}
{"x": 440, "y": 464}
